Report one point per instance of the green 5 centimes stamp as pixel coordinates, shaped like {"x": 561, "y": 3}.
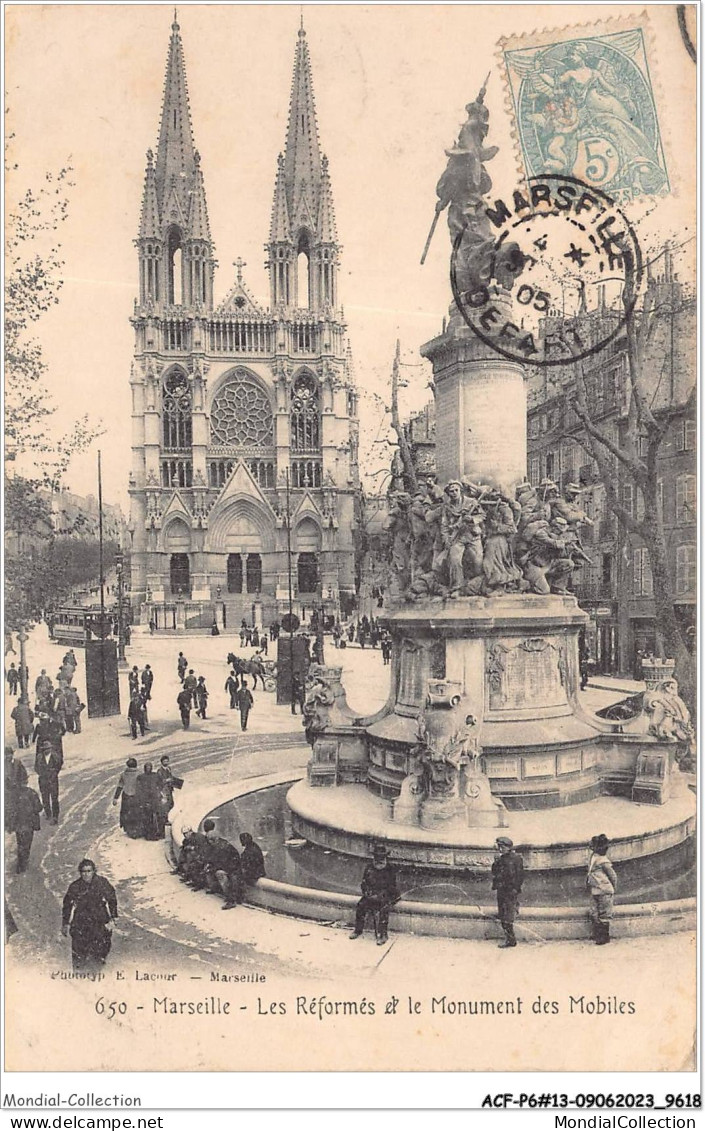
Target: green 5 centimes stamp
{"x": 584, "y": 107}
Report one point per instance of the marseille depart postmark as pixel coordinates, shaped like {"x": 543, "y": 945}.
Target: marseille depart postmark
{"x": 583, "y": 105}
{"x": 564, "y": 239}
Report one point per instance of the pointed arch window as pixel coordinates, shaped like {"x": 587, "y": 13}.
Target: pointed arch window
{"x": 305, "y": 415}
{"x": 174, "y": 267}
{"x": 176, "y": 412}
{"x": 303, "y": 271}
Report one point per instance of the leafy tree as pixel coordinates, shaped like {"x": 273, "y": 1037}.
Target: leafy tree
{"x": 33, "y": 282}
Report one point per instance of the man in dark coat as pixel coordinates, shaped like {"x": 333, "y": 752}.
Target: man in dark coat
{"x": 223, "y": 868}
{"x": 200, "y": 697}
{"x": 252, "y": 860}
{"x": 89, "y": 911}
{"x": 379, "y": 894}
{"x": 48, "y": 763}
{"x": 135, "y": 713}
{"x": 13, "y": 680}
{"x": 507, "y": 878}
{"x": 133, "y": 680}
{"x": 49, "y": 728}
{"x": 147, "y": 681}
{"x": 190, "y": 685}
{"x": 231, "y": 686}
{"x": 245, "y": 700}
{"x": 27, "y": 808}
{"x": 15, "y": 776}
{"x": 168, "y": 782}
{"x": 23, "y": 718}
{"x": 184, "y": 701}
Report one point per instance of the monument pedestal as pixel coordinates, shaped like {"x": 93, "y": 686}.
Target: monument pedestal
{"x": 515, "y": 661}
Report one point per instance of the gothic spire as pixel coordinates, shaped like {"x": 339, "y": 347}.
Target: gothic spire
{"x": 149, "y": 216}
{"x": 302, "y": 156}
{"x": 279, "y": 229}
{"x": 326, "y": 215}
{"x": 198, "y": 226}
{"x": 175, "y": 150}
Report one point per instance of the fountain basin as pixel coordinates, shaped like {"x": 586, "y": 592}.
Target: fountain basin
{"x": 318, "y": 884}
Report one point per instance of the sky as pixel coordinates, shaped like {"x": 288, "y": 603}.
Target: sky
{"x": 84, "y": 83}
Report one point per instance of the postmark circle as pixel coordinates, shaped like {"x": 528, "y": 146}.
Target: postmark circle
{"x": 567, "y": 237}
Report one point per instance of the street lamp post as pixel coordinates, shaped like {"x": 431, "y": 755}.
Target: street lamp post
{"x": 24, "y": 691}
{"x": 119, "y": 570}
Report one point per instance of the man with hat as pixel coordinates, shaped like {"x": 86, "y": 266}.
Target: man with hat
{"x": 379, "y": 893}
{"x": 507, "y": 879}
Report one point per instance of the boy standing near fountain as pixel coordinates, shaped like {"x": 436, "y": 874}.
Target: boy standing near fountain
{"x": 507, "y": 879}
{"x": 379, "y": 893}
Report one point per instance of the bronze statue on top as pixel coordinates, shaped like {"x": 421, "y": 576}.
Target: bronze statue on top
{"x": 461, "y": 189}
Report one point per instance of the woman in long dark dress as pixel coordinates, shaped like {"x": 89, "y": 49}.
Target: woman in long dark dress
{"x": 89, "y": 909}
{"x": 149, "y": 799}
{"x": 130, "y": 812}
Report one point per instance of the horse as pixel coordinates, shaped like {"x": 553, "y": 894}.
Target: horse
{"x": 254, "y": 667}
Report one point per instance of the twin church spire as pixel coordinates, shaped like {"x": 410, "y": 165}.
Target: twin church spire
{"x": 176, "y": 250}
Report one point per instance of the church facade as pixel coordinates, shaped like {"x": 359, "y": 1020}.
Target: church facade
{"x": 245, "y": 433}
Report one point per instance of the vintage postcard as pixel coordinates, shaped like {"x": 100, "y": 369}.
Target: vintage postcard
{"x": 351, "y": 542}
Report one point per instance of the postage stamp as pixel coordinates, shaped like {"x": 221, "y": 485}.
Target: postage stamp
{"x": 584, "y": 106}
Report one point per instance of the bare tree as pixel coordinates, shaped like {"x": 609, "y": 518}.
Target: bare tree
{"x": 636, "y": 458}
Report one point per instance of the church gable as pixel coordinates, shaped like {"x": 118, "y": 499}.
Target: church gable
{"x": 239, "y": 302}
{"x": 308, "y": 508}
{"x": 242, "y": 484}
{"x": 176, "y": 506}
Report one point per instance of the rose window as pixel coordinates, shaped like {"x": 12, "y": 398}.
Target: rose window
{"x": 241, "y": 416}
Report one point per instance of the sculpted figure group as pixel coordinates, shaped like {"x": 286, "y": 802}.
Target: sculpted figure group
{"x": 472, "y": 539}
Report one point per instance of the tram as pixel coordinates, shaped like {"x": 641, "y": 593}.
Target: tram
{"x": 75, "y": 624}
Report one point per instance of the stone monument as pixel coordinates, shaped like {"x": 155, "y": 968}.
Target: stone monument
{"x": 483, "y": 723}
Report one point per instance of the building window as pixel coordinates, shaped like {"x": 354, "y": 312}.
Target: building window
{"x": 643, "y": 579}
{"x": 628, "y": 498}
{"x": 177, "y": 473}
{"x": 174, "y": 268}
{"x": 176, "y": 412}
{"x": 533, "y": 427}
{"x": 607, "y": 574}
{"x": 305, "y": 415}
{"x": 640, "y": 508}
{"x": 535, "y": 470}
{"x": 551, "y": 466}
{"x": 686, "y": 435}
{"x": 305, "y": 473}
{"x": 686, "y": 569}
{"x": 659, "y": 498}
{"x": 241, "y": 415}
{"x": 685, "y": 499}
